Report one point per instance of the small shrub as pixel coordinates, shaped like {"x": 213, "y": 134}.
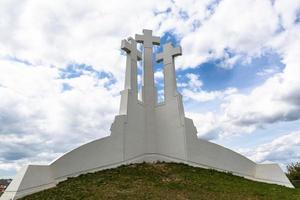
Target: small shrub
{"x": 293, "y": 171}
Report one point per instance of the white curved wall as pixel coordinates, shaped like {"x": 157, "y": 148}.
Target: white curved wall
{"x": 30, "y": 179}
{"x": 217, "y": 157}
{"x": 271, "y": 173}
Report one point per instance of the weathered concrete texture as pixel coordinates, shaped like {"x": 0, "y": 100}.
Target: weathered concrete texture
{"x": 144, "y": 131}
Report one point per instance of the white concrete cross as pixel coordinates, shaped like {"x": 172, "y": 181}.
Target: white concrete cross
{"x": 149, "y": 94}
{"x": 148, "y": 88}
{"x": 168, "y": 54}
{"x": 133, "y": 55}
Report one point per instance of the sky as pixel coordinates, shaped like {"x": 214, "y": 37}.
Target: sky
{"x": 61, "y": 71}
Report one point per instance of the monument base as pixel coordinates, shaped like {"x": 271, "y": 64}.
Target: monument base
{"x": 108, "y": 153}
{"x": 271, "y": 169}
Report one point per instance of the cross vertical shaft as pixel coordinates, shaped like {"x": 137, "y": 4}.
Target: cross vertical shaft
{"x": 148, "y": 89}
{"x": 133, "y": 55}
{"x": 130, "y": 88}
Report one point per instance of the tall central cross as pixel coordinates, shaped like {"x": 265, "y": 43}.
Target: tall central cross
{"x": 148, "y": 90}
{"x": 133, "y": 55}
{"x": 149, "y": 94}
{"x": 167, "y": 56}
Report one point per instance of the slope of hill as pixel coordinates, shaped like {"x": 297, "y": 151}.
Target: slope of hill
{"x": 163, "y": 181}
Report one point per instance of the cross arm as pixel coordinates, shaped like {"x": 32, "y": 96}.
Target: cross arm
{"x": 177, "y": 51}
{"x": 159, "y": 57}
{"x": 147, "y": 38}
{"x": 133, "y": 43}
{"x": 156, "y": 40}
{"x": 125, "y": 46}
{"x": 139, "y": 38}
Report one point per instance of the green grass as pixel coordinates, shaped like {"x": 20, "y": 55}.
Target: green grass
{"x": 163, "y": 181}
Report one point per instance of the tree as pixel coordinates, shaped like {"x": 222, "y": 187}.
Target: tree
{"x": 293, "y": 171}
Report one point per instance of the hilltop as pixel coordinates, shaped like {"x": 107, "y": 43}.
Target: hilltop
{"x": 163, "y": 181}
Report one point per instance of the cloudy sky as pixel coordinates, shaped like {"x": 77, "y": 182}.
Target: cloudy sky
{"x": 61, "y": 70}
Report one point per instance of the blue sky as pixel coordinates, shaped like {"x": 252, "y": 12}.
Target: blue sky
{"x": 61, "y": 70}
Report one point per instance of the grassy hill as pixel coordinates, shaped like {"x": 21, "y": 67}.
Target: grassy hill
{"x": 163, "y": 181}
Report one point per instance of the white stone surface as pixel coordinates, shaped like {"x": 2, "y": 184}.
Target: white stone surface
{"x": 144, "y": 131}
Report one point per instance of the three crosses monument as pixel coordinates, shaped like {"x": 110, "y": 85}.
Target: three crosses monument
{"x": 144, "y": 131}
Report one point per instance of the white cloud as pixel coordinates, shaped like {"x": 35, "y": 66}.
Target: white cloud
{"x": 34, "y": 102}
{"x": 194, "y": 81}
{"x": 205, "y": 123}
{"x": 268, "y": 71}
{"x": 276, "y": 100}
{"x": 203, "y": 96}
{"x": 59, "y": 32}
{"x": 185, "y": 15}
{"x": 158, "y": 75}
{"x": 239, "y": 27}
{"x": 287, "y": 11}
{"x": 284, "y": 149}
{"x": 37, "y": 114}
{"x": 193, "y": 90}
